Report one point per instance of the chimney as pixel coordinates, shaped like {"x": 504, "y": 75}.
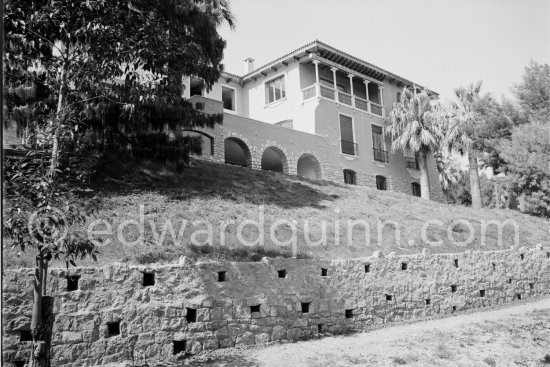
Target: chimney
{"x": 248, "y": 65}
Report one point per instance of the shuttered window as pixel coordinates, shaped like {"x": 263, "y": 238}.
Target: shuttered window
{"x": 346, "y": 134}
{"x": 377, "y": 138}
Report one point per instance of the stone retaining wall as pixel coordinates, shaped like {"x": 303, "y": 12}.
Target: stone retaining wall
{"x": 186, "y": 308}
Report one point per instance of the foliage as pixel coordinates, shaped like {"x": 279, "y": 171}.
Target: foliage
{"x": 533, "y": 92}
{"x": 412, "y": 127}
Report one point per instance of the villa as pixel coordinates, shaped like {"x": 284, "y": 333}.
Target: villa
{"x": 316, "y": 112}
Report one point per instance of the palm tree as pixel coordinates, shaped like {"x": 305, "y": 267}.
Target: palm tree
{"x": 411, "y": 127}
{"x": 461, "y": 133}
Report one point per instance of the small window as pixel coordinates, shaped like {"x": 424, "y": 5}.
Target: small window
{"x": 389, "y": 297}
{"x": 221, "y": 276}
{"x": 113, "y": 328}
{"x": 518, "y": 296}
{"x": 275, "y": 90}
{"x": 381, "y": 183}
{"x": 305, "y": 307}
{"x": 319, "y": 328}
{"x": 404, "y": 266}
{"x": 453, "y": 288}
{"x": 454, "y": 308}
{"x": 531, "y": 285}
{"x": 349, "y": 313}
{"x": 179, "y": 346}
{"x": 522, "y": 256}
{"x": 428, "y": 301}
{"x": 350, "y": 177}
{"x": 456, "y": 263}
{"x": 324, "y": 272}
{"x": 191, "y": 315}
{"x": 72, "y": 282}
{"x": 416, "y": 189}
{"x": 148, "y": 279}
{"x": 347, "y": 138}
{"x": 281, "y": 273}
{"x": 367, "y": 268}
{"x": 494, "y": 266}
{"x": 482, "y": 292}
{"x": 398, "y": 97}
{"x": 509, "y": 280}
{"x": 254, "y": 308}
{"x": 228, "y": 98}
{"x": 19, "y": 363}
{"x": 25, "y": 336}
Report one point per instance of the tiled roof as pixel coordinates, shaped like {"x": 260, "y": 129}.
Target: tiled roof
{"x": 333, "y": 55}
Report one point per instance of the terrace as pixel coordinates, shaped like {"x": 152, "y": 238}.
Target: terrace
{"x": 324, "y": 80}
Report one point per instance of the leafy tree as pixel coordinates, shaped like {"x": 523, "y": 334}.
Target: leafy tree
{"x": 533, "y": 92}
{"x": 466, "y": 121}
{"x": 412, "y": 127}
{"x": 75, "y": 72}
{"x": 527, "y": 156}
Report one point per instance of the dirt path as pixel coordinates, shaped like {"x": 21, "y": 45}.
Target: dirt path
{"x": 513, "y": 336}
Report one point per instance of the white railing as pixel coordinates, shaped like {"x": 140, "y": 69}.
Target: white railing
{"x": 344, "y": 98}
{"x": 376, "y": 109}
{"x": 328, "y": 92}
{"x": 321, "y": 90}
{"x": 309, "y": 92}
{"x": 362, "y": 104}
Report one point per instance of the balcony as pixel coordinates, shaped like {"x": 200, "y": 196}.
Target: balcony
{"x": 349, "y": 147}
{"x": 381, "y": 155}
{"x": 411, "y": 162}
{"x": 323, "y": 91}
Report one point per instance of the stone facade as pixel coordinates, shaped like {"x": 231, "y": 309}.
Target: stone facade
{"x": 164, "y": 312}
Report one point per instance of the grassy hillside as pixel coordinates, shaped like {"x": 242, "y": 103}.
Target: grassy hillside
{"x": 216, "y": 193}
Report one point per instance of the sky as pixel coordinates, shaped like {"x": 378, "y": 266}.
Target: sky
{"x": 440, "y": 44}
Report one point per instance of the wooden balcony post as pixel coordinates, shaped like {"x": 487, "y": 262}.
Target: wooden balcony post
{"x": 381, "y": 94}
{"x": 317, "y": 86}
{"x": 334, "y": 82}
{"x": 351, "y": 90}
{"x": 367, "y": 93}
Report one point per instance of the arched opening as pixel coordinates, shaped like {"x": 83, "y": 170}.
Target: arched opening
{"x": 381, "y": 183}
{"x": 273, "y": 159}
{"x": 206, "y": 142}
{"x": 309, "y": 167}
{"x": 416, "y": 189}
{"x": 350, "y": 177}
{"x": 237, "y": 152}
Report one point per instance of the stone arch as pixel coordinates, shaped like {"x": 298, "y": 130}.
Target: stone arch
{"x": 237, "y": 152}
{"x": 207, "y": 140}
{"x": 274, "y": 159}
{"x": 308, "y": 166}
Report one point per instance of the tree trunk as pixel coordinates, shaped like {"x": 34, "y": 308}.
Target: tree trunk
{"x": 424, "y": 179}
{"x": 36, "y": 317}
{"x": 58, "y": 122}
{"x": 475, "y": 189}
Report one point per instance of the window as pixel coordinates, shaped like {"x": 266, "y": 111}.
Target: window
{"x": 411, "y": 160}
{"x": 380, "y": 153}
{"x": 381, "y": 183}
{"x": 228, "y": 98}
{"x": 398, "y": 97}
{"x": 416, "y": 189}
{"x": 346, "y": 135}
{"x": 349, "y": 177}
{"x": 113, "y": 328}
{"x": 275, "y": 90}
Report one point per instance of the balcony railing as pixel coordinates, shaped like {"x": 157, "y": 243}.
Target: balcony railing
{"x": 376, "y": 109}
{"x": 344, "y": 98}
{"x": 411, "y": 162}
{"x": 381, "y": 155}
{"x": 349, "y": 147}
{"x": 362, "y": 104}
{"x": 325, "y": 91}
{"x": 309, "y": 92}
